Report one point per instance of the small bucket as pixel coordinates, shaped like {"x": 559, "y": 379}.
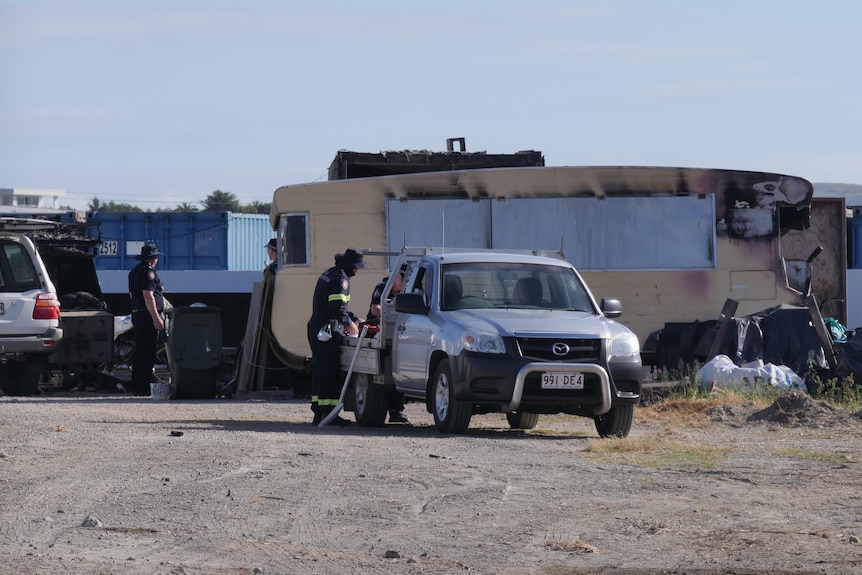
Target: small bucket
{"x": 161, "y": 391}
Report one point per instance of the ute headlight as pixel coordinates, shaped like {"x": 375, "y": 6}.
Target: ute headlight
{"x": 625, "y": 345}
{"x": 483, "y": 342}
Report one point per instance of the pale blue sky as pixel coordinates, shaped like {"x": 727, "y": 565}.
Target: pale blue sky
{"x": 155, "y": 103}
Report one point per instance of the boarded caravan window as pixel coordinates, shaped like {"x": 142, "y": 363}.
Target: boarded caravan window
{"x": 650, "y": 232}
{"x": 294, "y": 230}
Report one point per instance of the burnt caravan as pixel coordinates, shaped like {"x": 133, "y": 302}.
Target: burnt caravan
{"x": 672, "y": 243}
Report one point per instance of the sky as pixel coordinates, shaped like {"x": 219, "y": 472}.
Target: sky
{"x": 157, "y": 103}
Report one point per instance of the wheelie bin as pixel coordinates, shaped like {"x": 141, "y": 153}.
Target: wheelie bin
{"x": 194, "y": 350}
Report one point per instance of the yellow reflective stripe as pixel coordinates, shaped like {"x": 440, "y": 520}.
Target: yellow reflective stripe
{"x": 322, "y": 401}
{"x": 339, "y": 297}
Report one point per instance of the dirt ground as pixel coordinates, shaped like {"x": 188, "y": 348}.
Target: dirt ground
{"x": 94, "y": 484}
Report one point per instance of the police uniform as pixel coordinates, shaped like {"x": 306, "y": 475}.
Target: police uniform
{"x": 371, "y": 318}
{"x": 376, "y": 298}
{"x": 272, "y": 267}
{"x": 396, "y": 400}
{"x": 144, "y": 277}
{"x": 329, "y": 306}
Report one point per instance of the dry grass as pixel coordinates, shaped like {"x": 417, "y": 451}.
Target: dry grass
{"x": 654, "y": 451}
{"x": 576, "y": 547}
{"x": 689, "y": 411}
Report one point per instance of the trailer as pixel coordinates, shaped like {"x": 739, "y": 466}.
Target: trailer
{"x": 673, "y": 243}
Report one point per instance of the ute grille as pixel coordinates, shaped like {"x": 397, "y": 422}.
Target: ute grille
{"x": 567, "y": 349}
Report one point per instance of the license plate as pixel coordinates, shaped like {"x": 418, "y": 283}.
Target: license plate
{"x": 562, "y": 380}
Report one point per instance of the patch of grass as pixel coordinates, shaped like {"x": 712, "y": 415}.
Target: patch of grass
{"x": 843, "y": 392}
{"x": 577, "y": 546}
{"x": 840, "y": 392}
{"x": 836, "y": 458}
{"x": 687, "y": 409}
{"x": 652, "y": 451}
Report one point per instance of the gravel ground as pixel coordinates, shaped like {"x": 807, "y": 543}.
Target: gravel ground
{"x": 101, "y": 484}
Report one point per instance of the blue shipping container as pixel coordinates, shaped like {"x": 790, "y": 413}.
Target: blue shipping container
{"x": 188, "y": 240}
{"x": 856, "y": 239}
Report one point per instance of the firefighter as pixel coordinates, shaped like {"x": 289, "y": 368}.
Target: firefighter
{"x": 329, "y": 308}
{"x": 148, "y": 304}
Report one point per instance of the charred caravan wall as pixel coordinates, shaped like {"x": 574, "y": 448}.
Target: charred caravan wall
{"x": 349, "y": 165}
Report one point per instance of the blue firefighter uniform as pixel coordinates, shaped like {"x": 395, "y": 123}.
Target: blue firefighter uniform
{"x": 330, "y": 306}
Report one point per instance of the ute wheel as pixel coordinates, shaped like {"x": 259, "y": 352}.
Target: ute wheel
{"x": 370, "y": 401}
{"x": 450, "y": 415}
{"x": 522, "y": 420}
{"x": 617, "y": 422}
{"x": 21, "y": 378}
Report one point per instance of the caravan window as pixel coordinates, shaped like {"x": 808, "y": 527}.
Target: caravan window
{"x": 294, "y": 239}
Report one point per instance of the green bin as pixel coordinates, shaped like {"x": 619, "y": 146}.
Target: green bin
{"x": 194, "y": 350}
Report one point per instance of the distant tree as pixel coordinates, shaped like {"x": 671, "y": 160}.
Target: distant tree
{"x": 257, "y": 208}
{"x": 98, "y": 206}
{"x": 186, "y": 207}
{"x": 220, "y": 201}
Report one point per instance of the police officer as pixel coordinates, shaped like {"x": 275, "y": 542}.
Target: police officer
{"x": 373, "y": 316}
{"x": 272, "y": 254}
{"x": 396, "y": 400}
{"x": 148, "y": 303}
{"x": 329, "y": 307}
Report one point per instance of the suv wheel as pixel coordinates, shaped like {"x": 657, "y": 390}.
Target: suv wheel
{"x": 22, "y": 378}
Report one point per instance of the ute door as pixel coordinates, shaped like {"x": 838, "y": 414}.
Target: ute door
{"x": 412, "y": 340}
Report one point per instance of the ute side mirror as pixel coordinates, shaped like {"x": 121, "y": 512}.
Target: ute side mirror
{"x": 611, "y": 307}
{"x": 410, "y": 303}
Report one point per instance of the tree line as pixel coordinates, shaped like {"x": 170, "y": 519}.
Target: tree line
{"x": 218, "y": 201}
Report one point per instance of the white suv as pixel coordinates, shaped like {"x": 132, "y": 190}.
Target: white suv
{"x": 29, "y": 310}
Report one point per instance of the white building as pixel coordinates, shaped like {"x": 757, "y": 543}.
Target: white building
{"x": 30, "y": 200}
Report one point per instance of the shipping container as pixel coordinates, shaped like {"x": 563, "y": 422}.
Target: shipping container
{"x": 189, "y": 240}
{"x": 855, "y": 239}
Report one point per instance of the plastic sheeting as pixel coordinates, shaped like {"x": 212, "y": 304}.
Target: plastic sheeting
{"x": 725, "y": 374}
{"x": 850, "y": 357}
{"x": 780, "y": 335}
